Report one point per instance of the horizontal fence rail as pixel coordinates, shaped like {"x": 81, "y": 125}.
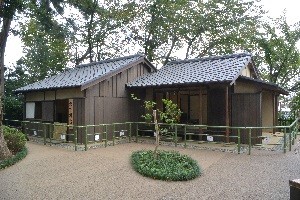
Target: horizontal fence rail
{"x": 89, "y": 136}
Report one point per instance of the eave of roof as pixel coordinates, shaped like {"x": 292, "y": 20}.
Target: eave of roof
{"x": 266, "y": 85}
{"x": 191, "y": 84}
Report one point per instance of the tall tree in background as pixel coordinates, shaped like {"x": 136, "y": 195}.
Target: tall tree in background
{"x": 280, "y": 57}
{"x": 15, "y": 77}
{"x": 222, "y": 27}
{"x": 99, "y": 28}
{"x": 200, "y": 27}
{"x": 46, "y": 52}
{"x": 8, "y": 9}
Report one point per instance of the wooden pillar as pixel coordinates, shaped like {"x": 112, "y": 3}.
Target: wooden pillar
{"x": 227, "y": 112}
{"x": 200, "y": 112}
{"x": 200, "y": 107}
{"x": 275, "y": 111}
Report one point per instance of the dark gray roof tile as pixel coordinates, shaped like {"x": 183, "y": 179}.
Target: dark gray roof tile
{"x": 210, "y": 69}
{"x": 81, "y": 74}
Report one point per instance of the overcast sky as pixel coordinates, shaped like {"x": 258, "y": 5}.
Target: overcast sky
{"x": 275, "y": 8}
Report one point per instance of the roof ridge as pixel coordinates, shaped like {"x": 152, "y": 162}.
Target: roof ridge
{"x": 236, "y": 55}
{"x": 109, "y": 60}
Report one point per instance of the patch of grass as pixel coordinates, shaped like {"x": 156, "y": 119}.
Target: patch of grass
{"x": 14, "y": 159}
{"x": 168, "y": 165}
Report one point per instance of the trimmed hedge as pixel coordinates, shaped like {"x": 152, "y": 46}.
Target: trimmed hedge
{"x": 168, "y": 165}
{"x": 14, "y": 159}
{"x": 15, "y": 139}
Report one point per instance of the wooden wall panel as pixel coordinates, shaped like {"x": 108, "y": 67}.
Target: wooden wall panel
{"x": 47, "y": 111}
{"x": 216, "y": 107}
{"x": 69, "y": 93}
{"x": 204, "y": 109}
{"x": 246, "y": 112}
{"x": 108, "y": 101}
{"x": 173, "y": 97}
{"x": 121, "y": 80}
{"x": 79, "y": 117}
{"x": 158, "y": 99}
{"x": 99, "y": 107}
{"x": 93, "y": 91}
{"x": 89, "y": 111}
{"x": 267, "y": 109}
{"x": 49, "y": 95}
{"x": 241, "y": 87}
{"x": 110, "y": 87}
{"x": 149, "y": 94}
{"x": 34, "y": 96}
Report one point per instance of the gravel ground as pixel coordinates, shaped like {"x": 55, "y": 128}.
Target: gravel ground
{"x": 105, "y": 173}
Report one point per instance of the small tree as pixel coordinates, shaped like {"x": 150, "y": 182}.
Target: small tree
{"x": 170, "y": 115}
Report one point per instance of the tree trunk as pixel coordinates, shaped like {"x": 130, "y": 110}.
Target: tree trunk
{"x": 4, "y": 151}
{"x": 156, "y": 132}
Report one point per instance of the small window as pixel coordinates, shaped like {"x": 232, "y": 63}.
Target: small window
{"x": 34, "y": 110}
{"x": 30, "y": 107}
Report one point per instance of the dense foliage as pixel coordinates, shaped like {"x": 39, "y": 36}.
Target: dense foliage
{"x": 14, "y": 159}
{"x": 167, "y": 165}
{"x": 15, "y": 139}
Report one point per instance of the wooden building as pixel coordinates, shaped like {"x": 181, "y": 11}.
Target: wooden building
{"x": 216, "y": 91}
{"x": 92, "y": 93}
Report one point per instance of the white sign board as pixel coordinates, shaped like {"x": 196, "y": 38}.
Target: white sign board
{"x": 63, "y": 137}
{"x": 97, "y": 137}
{"x": 30, "y": 107}
{"x": 210, "y": 138}
{"x": 266, "y": 140}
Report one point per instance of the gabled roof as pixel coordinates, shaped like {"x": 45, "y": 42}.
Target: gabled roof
{"x": 202, "y": 71}
{"x": 87, "y": 74}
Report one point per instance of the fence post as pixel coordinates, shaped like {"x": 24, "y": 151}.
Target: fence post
{"x": 137, "y": 133}
{"x": 295, "y": 129}
{"x": 51, "y": 133}
{"x": 44, "y": 131}
{"x": 249, "y": 138}
{"x": 75, "y": 138}
{"x": 239, "y": 141}
{"x": 175, "y": 135}
{"x": 284, "y": 141}
{"x": 290, "y": 139}
{"x": 113, "y": 135}
{"x": 105, "y": 135}
{"x": 86, "y": 138}
{"x": 184, "y": 136}
{"x": 129, "y": 135}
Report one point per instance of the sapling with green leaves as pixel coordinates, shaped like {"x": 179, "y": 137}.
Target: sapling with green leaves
{"x": 170, "y": 115}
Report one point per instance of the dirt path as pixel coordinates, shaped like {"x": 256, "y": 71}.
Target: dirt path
{"x": 105, "y": 173}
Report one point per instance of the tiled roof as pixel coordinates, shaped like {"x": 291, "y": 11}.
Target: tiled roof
{"x": 81, "y": 74}
{"x": 204, "y": 70}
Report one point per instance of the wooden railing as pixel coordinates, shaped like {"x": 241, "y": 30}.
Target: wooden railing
{"x": 185, "y": 134}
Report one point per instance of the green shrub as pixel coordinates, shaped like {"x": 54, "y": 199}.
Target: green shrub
{"x": 14, "y": 159}
{"x": 15, "y": 139}
{"x": 167, "y": 165}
